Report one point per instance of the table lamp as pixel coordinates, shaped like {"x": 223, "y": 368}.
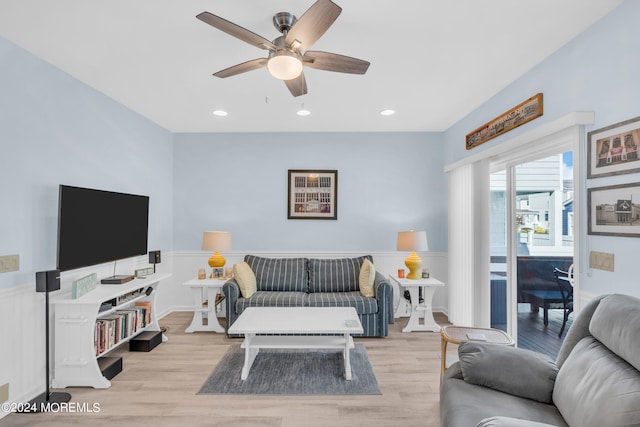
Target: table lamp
{"x": 413, "y": 241}
{"x": 216, "y": 241}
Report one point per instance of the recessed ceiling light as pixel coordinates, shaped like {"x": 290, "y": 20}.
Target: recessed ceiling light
{"x": 220, "y": 113}
{"x": 303, "y": 112}
{"x": 387, "y": 112}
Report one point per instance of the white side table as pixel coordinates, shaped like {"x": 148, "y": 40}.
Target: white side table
{"x": 418, "y": 311}
{"x": 212, "y": 287}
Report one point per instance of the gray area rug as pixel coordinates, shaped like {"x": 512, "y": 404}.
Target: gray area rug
{"x": 299, "y": 372}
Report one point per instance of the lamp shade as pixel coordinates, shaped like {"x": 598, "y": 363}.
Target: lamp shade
{"x": 413, "y": 241}
{"x": 216, "y": 241}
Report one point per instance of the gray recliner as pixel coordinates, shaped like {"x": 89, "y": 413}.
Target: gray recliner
{"x": 595, "y": 380}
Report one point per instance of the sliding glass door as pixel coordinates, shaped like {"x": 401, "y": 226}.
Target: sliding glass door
{"x": 531, "y": 234}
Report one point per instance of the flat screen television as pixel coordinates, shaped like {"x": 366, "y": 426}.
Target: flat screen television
{"x": 96, "y": 226}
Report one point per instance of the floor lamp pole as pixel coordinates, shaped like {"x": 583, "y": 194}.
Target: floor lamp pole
{"x": 47, "y": 281}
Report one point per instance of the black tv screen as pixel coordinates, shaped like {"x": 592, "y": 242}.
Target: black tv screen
{"x": 96, "y": 226}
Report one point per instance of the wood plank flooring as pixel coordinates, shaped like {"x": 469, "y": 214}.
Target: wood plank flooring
{"x": 534, "y": 335}
{"x": 159, "y": 388}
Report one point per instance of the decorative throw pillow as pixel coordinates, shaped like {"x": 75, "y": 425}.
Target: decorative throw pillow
{"x": 245, "y": 278}
{"x": 367, "y": 277}
{"x": 510, "y": 370}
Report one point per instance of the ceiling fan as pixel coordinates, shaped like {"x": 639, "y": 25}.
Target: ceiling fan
{"x": 288, "y": 53}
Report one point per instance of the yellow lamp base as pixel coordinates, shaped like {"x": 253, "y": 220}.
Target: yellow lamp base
{"x": 217, "y": 260}
{"x": 414, "y": 264}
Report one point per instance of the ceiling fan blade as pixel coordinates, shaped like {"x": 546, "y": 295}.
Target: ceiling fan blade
{"x": 297, "y": 86}
{"x": 254, "y": 64}
{"x": 313, "y": 24}
{"x": 236, "y": 31}
{"x": 333, "y": 62}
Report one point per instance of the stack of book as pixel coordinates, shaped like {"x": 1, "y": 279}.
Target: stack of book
{"x": 111, "y": 330}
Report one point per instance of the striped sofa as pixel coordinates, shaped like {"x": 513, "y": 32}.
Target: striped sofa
{"x": 314, "y": 282}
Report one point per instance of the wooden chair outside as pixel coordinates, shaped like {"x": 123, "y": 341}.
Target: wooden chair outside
{"x": 565, "y": 285}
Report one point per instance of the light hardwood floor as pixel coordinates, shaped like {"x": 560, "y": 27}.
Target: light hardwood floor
{"x": 159, "y": 388}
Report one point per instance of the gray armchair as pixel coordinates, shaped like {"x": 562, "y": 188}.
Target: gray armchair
{"x": 595, "y": 380}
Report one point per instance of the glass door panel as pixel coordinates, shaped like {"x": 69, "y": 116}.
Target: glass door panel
{"x": 544, "y": 240}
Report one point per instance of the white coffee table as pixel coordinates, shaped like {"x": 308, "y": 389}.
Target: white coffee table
{"x": 297, "y": 320}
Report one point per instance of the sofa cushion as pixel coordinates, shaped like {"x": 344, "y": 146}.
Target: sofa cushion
{"x": 578, "y": 330}
{"x": 510, "y": 422}
{"x": 615, "y": 324}
{"x": 362, "y": 304}
{"x": 279, "y": 274}
{"x": 335, "y": 275}
{"x": 501, "y": 368}
{"x": 465, "y": 405}
{"x": 367, "y": 278}
{"x": 272, "y": 299}
{"x": 595, "y": 387}
{"x": 245, "y": 278}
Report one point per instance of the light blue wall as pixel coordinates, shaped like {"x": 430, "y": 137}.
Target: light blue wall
{"x": 55, "y": 130}
{"x": 387, "y": 182}
{"x": 597, "y": 71}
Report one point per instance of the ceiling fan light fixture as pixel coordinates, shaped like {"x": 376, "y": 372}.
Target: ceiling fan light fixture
{"x": 290, "y": 51}
{"x": 284, "y": 65}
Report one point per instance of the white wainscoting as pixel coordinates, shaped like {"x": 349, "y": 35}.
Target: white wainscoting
{"x": 22, "y": 309}
{"x": 22, "y": 348}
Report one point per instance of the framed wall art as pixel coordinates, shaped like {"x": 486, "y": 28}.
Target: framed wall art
{"x": 517, "y": 116}
{"x": 312, "y": 194}
{"x": 614, "y": 210}
{"x": 613, "y": 150}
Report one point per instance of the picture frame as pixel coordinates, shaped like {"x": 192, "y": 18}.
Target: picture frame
{"x": 614, "y": 210}
{"x": 312, "y": 194}
{"x": 614, "y": 150}
{"x": 522, "y": 113}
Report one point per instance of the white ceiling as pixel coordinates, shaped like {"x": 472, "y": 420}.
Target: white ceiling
{"x": 433, "y": 61}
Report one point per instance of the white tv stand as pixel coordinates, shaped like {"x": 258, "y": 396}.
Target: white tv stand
{"x": 76, "y": 362}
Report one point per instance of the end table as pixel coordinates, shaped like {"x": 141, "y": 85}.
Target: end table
{"x": 418, "y": 310}
{"x": 212, "y": 287}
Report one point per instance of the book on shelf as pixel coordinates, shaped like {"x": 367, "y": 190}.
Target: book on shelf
{"x": 147, "y": 306}
{"x": 111, "y": 329}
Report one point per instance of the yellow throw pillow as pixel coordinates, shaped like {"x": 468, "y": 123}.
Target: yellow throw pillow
{"x": 245, "y": 278}
{"x": 367, "y": 277}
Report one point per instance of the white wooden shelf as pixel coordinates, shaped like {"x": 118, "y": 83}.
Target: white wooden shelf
{"x": 75, "y": 360}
